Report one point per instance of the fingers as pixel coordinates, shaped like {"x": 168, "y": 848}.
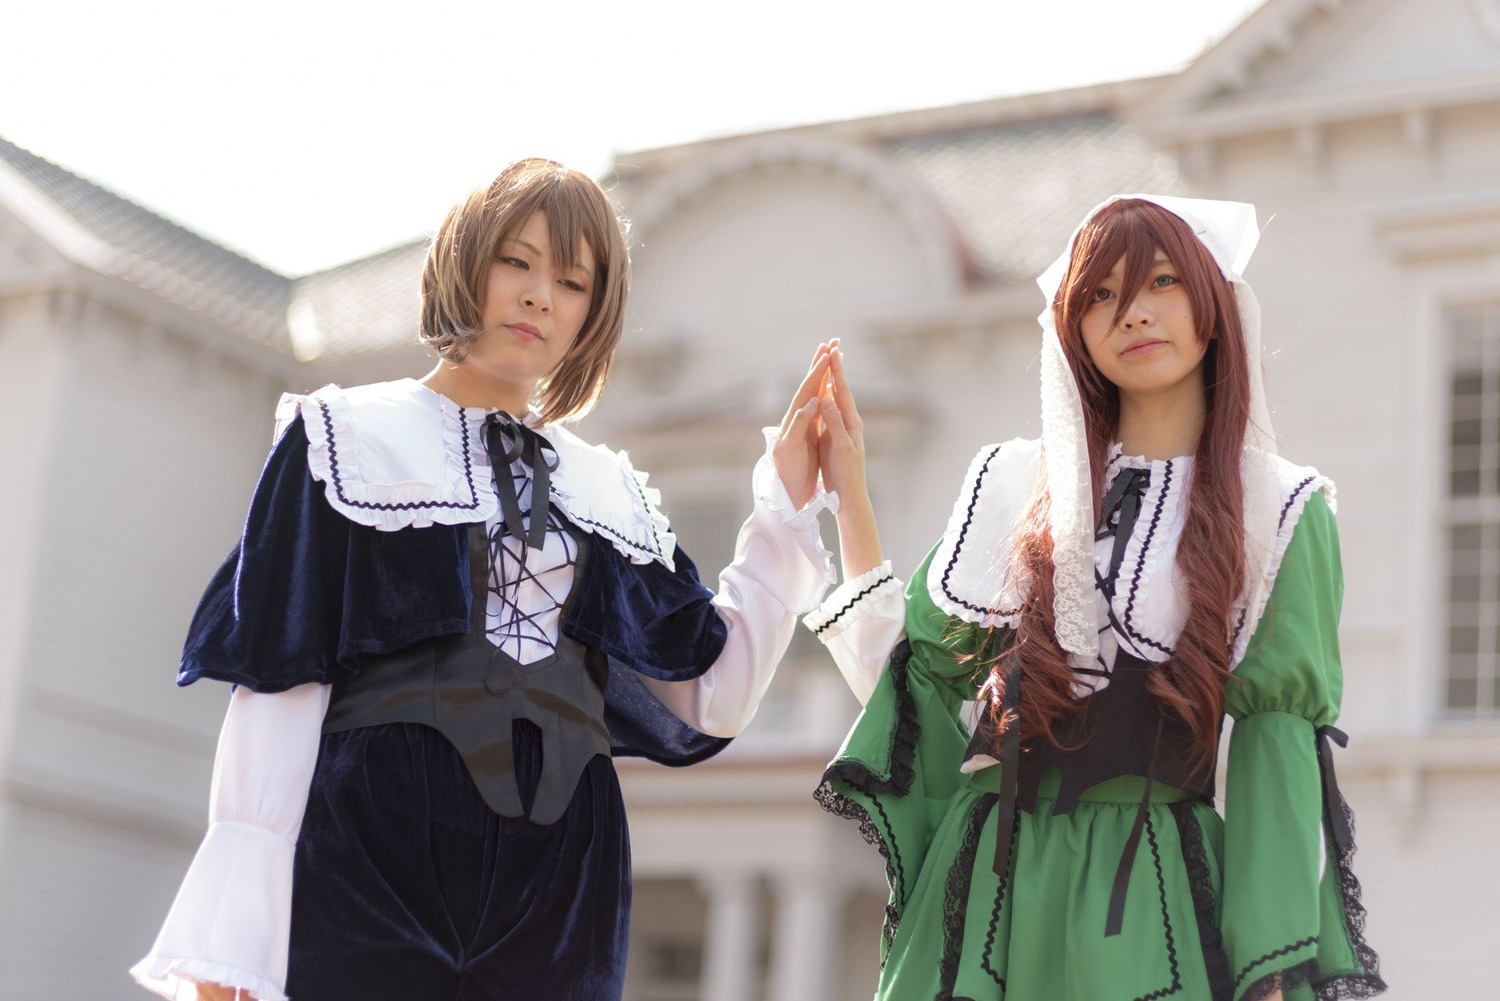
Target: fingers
{"x": 812, "y": 385}
{"x": 799, "y": 419}
{"x": 843, "y": 396}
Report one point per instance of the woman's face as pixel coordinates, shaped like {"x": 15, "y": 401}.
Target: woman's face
{"x": 1154, "y": 350}
{"x": 532, "y": 311}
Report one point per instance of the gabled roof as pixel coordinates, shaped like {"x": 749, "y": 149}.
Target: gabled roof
{"x": 1016, "y": 190}
{"x": 1296, "y": 63}
{"x": 366, "y": 306}
{"x": 132, "y": 243}
{"x": 1013, "y": 175}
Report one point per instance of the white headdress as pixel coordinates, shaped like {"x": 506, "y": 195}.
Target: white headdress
{"x": 1229, "y": 231}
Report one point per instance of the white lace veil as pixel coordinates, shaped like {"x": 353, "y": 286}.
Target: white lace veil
{"x": 1229, "y": 231}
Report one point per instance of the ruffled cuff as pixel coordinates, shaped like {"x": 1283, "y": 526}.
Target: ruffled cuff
{"x": 773, "y": 503}
{"x": 770, "y": 491}
{"x": 851, "y": 599}
{"x": 231, "y": 921}
{"x": 860, "y": 623}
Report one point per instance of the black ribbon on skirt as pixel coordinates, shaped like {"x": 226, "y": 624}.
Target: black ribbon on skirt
{"x": 1125, "y": 493}
{"x": 1010, "y": 768}
{"x": 507, "y": 440}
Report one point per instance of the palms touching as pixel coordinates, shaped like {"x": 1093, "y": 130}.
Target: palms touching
{"x": 822, "y": 432}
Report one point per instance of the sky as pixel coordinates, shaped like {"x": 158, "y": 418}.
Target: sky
{"x": 306, "y": 133}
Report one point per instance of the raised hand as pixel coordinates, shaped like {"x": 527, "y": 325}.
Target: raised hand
{"x": 796, "y": 451}
{"x": 841, "y": 443}
{"x": 841, "y": 458}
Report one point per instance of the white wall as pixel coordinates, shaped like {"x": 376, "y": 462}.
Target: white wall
{"x": 145, "y": 448}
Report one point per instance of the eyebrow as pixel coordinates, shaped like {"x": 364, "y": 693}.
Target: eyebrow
{"x": 579, "y": 266}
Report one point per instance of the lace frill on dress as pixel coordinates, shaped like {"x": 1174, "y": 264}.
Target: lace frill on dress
{"x": 1330, "y": 985}
{"x": 898, "y": 783}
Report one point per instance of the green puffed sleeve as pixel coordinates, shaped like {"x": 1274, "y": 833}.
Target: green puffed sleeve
{"x": 898, "y": 769}
{"x": 1291, "y": 913}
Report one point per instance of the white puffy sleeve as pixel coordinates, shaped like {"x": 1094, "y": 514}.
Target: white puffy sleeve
{"x": 231, "y": 921}
{"x": 779, "y": 572}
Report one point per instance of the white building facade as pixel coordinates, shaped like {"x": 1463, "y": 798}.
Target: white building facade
{"x": 140, "y": 366}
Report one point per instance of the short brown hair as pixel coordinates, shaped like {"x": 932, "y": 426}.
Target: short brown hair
{"x": 458, "y": 264}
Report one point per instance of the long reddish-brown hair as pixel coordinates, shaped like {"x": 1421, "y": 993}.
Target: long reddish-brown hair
{"x": 1210, "y": 555}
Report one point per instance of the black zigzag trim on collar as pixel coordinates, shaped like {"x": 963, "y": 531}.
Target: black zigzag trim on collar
{"x": 959, "y": 545}
{"x": 1286, "y": 508}
{"x": 1140, "y": 564}
{"x": 338, "y": 480}
{"x": 606, "y": 530}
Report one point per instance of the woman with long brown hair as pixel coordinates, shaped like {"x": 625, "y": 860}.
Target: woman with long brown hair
{"x": 1043, "y": 701}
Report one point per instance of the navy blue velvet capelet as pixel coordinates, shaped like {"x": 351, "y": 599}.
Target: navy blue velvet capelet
{"x": 307, "y": 595}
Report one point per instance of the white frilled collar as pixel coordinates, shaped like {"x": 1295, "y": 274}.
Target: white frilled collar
{"x": 396, "y": 455}
{"x": 972, "y": 579}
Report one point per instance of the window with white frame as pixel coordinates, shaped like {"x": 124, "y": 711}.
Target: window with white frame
{"x": 1472, "y": 676}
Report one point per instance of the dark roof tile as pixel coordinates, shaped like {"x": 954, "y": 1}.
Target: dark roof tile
{"x": 161, "y": 256}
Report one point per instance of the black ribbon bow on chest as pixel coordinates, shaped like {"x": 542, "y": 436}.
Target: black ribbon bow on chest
{"x": 507, "y": 440}
{"x": 1125, "y": 495}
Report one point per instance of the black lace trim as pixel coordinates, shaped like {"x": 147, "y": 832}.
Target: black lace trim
{"x": 1285, "y": 950}
{"x": 842, "y": 806}
{"x": 1364, "y": 982}
{"x": 956, "y": 899}
{"x": 1205, "y": 900}
{"x": 1331, "y": 985}
{"x": 901, "y": 755}
{"x": 851, "y": 603}
{"x": 1305, "y": 972}
{"x": 338, "y": 480}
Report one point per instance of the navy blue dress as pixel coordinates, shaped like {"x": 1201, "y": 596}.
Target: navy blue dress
{"x": 407, "y": 886}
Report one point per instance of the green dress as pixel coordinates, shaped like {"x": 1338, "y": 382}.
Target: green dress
{"x": 1218, "y": 908}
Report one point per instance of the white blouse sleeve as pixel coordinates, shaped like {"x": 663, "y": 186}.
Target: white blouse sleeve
{"x": 231, "y": 921}
{"x": 780, "y": 570}
{"x": 860, "y": 623}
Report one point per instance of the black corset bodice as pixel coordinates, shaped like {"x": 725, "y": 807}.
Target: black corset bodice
{"x": 472, "y": 692}
{"x": 1121, "y": 730}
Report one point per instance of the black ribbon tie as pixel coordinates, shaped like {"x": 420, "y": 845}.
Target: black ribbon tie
{"x": 1338, "y": 813}
{"x": 507, "y": 440}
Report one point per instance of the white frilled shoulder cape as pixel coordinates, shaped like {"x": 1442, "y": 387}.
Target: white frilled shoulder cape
{"x": 375, "y": 450}
{"x": 971, "y": 577}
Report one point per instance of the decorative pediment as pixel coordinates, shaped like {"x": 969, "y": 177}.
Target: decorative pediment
{"x": 1304, "y": 63}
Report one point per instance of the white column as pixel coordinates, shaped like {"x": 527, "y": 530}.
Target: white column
{"x": 807, "y": 941}
{"x": 732, "y": 939}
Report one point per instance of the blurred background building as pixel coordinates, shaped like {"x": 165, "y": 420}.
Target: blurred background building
{"x": 140, "y": 363}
